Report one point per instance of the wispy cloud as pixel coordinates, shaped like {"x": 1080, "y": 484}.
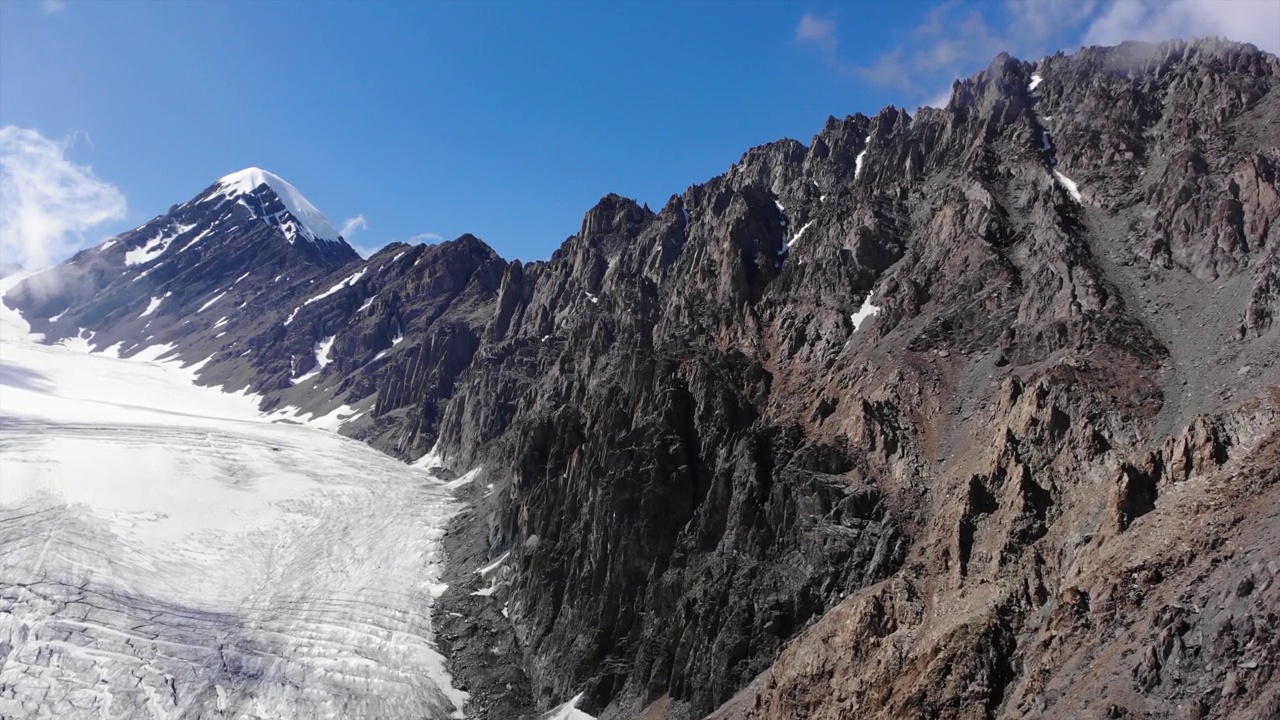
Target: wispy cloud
{"x": 940, "y": 100}
{"x": 1036, "y": 20}
{"x": 351, "y": 225}
{"x": 367, "y": 251}
{"x": 947, "y": 37}
{"x": 1254, "y": 21}
{"x": 819, "y": 33}
{"x": 953, "y": 40}
{"x": 48, "y": 204}
{"x": 53, "y": 6}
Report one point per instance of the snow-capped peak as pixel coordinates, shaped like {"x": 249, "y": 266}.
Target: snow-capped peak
{"x": 307, "y": 220}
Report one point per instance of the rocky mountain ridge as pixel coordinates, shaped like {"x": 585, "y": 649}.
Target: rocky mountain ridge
{"x": 970, "y": 413}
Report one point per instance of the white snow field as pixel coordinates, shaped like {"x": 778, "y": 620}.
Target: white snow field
{"x": 168, "y": 552}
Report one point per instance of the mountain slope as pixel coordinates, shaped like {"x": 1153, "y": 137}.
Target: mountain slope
{"x": 941, "y": 415}
{"x": 205, "y": 258}
{"x": 252, "y": 283}
{"x": 956, "y": 353}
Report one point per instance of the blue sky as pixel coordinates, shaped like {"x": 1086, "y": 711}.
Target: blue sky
{"x": 507, "y": 120}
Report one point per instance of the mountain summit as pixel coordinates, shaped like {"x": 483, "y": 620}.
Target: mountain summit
{"x": 274, "y": 200}
{"x": 249, "y": 235}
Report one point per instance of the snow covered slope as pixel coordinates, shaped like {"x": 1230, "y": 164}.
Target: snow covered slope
{"x": 167, "y": 552}
{"x": 308, "y": 221}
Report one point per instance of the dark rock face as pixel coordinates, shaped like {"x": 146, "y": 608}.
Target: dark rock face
{"x": 970, "y": 413}
{"x": 703, "y": 439}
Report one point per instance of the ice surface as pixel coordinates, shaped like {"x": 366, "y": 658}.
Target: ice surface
{"x": 1035, "y": 82}
{"x": 314, "y": 224}
{"x": 431, "y": 461}
{"x": 335, "y": 418}
{"x": 166, "y": 551}
{"x": 465, "y": 479}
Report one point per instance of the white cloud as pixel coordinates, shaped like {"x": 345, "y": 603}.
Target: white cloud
{"x": 1253, "y": 21}
{"x": 819, "y": 33}
{"x": 953, "y": 40}
{"x": 350, "y": 225}
{"x": 426, "y": 237}
{"x": 1039, "y": 19}
{"x": 950, "y": 40}
{"x": 53, "y": 6}
{"x": 48, "y": 204}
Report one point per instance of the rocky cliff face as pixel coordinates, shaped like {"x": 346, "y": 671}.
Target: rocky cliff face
{"x": 971, "y": 413}
{"x": 905, "y": 401}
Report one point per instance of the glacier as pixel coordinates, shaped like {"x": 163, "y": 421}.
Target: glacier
{"x": 167, "y": 551}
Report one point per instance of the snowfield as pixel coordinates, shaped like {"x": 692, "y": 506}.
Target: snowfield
{"x": 166, "y": 551}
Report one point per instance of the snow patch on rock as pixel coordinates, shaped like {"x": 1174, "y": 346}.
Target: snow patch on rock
{"x": 799, "y": 233}
{"x": 857, "y": 161}
{"x": 1068, "y": 184}
{"x": 867, "y": 311}
{"x": 348, "y": 282}
{"x": 211, "y": 301}
{"x": 153, "y": 305}
{"x": 322, "y": 351}
{"x": 156, "y": 246}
